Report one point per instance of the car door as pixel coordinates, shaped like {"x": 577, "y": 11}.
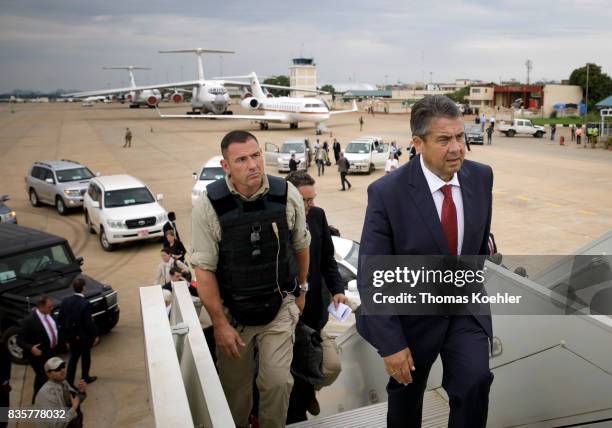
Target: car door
{"x": 272, "y": 152}
{"x": 521, "y": 129}
{"x": 381, "y": 154}
{"x": 94, "y": 213}
{"x": 47, "y": 189}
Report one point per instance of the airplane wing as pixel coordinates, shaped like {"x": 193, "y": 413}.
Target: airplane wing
{"x": 188, "y": 83}
{"x": 86, "y": 94}
{"x": 352, "y": 110}
{"x": 260, "y": 118}
{"x": 265, "y": 85}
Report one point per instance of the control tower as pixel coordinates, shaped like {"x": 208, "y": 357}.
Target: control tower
{"x": 303, "y": 74}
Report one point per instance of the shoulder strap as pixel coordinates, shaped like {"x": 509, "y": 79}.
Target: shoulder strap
{"x": 220, "y": 197}
{"x": 278, "y": 190}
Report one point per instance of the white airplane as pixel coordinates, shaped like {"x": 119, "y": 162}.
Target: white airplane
{"x": 289, "y": 110}
{"x": 136, "y": 95}
{"x": 207, "y": 96}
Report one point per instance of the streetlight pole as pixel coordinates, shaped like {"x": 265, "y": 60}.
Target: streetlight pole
{"x": 586, "y": 101}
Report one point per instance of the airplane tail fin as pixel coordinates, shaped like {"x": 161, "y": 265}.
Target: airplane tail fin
{"x": 130, "y": 69}
{"x": 198, "y": 52}
{"x": 256, "y": 87}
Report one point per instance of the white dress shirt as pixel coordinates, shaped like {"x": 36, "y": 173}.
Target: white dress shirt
{"x": 51, "y": 322}
{"x": 435, "y": 184}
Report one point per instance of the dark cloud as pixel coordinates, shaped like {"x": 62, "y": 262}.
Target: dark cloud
{"x": 64, "y": 43}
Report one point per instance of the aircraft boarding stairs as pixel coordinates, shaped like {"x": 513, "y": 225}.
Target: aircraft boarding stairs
{"x": 550, "y": 371}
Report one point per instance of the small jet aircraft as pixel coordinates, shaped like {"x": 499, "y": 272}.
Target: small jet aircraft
{"x": 289, "y": 110}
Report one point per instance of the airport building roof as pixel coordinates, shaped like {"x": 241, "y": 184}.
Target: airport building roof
{"x": 376, "y": 93}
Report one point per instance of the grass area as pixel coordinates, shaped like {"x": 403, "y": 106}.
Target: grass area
{"x": 593, "y": 116}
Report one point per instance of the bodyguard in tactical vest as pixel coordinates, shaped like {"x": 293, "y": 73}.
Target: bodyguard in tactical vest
{"x": 250, "y": 256}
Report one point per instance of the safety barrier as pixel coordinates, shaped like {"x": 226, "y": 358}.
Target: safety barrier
{"x": 184, "y": 388}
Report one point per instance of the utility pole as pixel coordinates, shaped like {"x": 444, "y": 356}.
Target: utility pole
{"x": 386, "y": 77}
{"x": 586, "y": 101}
{"x": 529, "y": 65}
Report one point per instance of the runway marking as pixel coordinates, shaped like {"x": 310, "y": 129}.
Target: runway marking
{"x": 585, "y": 212}
{"x": 553, "y": 205}
{"x": 523, "y": 198}
{"x": 499, "y": 192}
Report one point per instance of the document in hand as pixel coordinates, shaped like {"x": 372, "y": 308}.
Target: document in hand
{"x": 341, "y": 313}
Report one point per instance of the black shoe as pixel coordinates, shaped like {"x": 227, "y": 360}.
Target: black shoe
{"x": 90, "y": 379}
{"x": 342, "y": 190}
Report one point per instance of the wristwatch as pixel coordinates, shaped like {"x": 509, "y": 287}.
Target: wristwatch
{"x": 304, "y": 287}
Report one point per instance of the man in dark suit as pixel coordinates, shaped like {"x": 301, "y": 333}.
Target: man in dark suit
{"x": 324, "y": 286}
{"x": 437, "y": 204}
{"x": 77, "y": 326}
{"x": 39, "y": 339}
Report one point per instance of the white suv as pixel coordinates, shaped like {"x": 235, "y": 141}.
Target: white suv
{"x": 210, "y": 171}
{"x": 121, "y": 208}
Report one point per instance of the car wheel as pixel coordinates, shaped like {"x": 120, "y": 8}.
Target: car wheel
{"x": 10, "y": 338}
{"x": 60, "y": 206}
{"x": 34, "y": 198}
{"x": 511, "y": 133}
{"x": 372, "y": 168}
{"x": 538, "y": 134}
{"x": 89, "y": 225}
{"x": 106, "y": 246}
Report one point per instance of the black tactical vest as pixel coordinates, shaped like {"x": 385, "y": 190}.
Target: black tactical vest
{"x": 253, "y": 264}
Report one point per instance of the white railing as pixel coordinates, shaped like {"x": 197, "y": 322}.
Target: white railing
{"x": 184, "y": 388}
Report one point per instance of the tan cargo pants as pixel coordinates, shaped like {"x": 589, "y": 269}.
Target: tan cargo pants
{"x": 275, "y": 346}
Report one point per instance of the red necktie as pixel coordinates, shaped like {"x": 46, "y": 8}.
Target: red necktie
{"x": 51, "y": 331}
{"x": 449, "y": 219}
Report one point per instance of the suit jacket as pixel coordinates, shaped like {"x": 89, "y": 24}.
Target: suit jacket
{"x": 401, "y": 219}
{"x": 75, "y": 319}
{"x": 323, "y": 269}
{"x": 33, "y": 332}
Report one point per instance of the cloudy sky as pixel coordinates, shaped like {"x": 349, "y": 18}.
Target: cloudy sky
{"x": 51, "y": 44}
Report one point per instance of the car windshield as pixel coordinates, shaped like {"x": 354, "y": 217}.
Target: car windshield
{"x": 213, "y": 173}
{"x": 27, "y": 264}
{"x": 354, "y": 147}
{"x": 74, "y": 174}
{"x": 292, "y": 147}
{"x": 126, "y": 197}
{"x": 472, "y": 129}
{"x": 353, "y": 255}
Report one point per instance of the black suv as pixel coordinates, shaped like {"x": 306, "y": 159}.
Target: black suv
{"x": 33, "y": 263}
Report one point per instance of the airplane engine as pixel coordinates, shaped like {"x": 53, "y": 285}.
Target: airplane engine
{"x": 129, "y": 97}
{"x": 152, "y": 100}
{"x": 177, "y": 97}
{"x": 250, "y": 103}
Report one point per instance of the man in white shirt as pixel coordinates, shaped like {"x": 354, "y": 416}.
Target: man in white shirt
{"x": 392, "y": 164}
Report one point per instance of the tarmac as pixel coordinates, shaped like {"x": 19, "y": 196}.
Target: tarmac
{"x": 548, "y": 200}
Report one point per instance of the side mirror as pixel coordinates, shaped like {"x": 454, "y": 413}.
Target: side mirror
{"x": 95, "y": 204}
{"x": 195, "y": 176}
{"x": 50, "y": 180}
{"x": 79, "y": 261}
{"x": 160, "y": 197}
{"x": 98, "y": 174}
{"x": 5, "y": 198}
